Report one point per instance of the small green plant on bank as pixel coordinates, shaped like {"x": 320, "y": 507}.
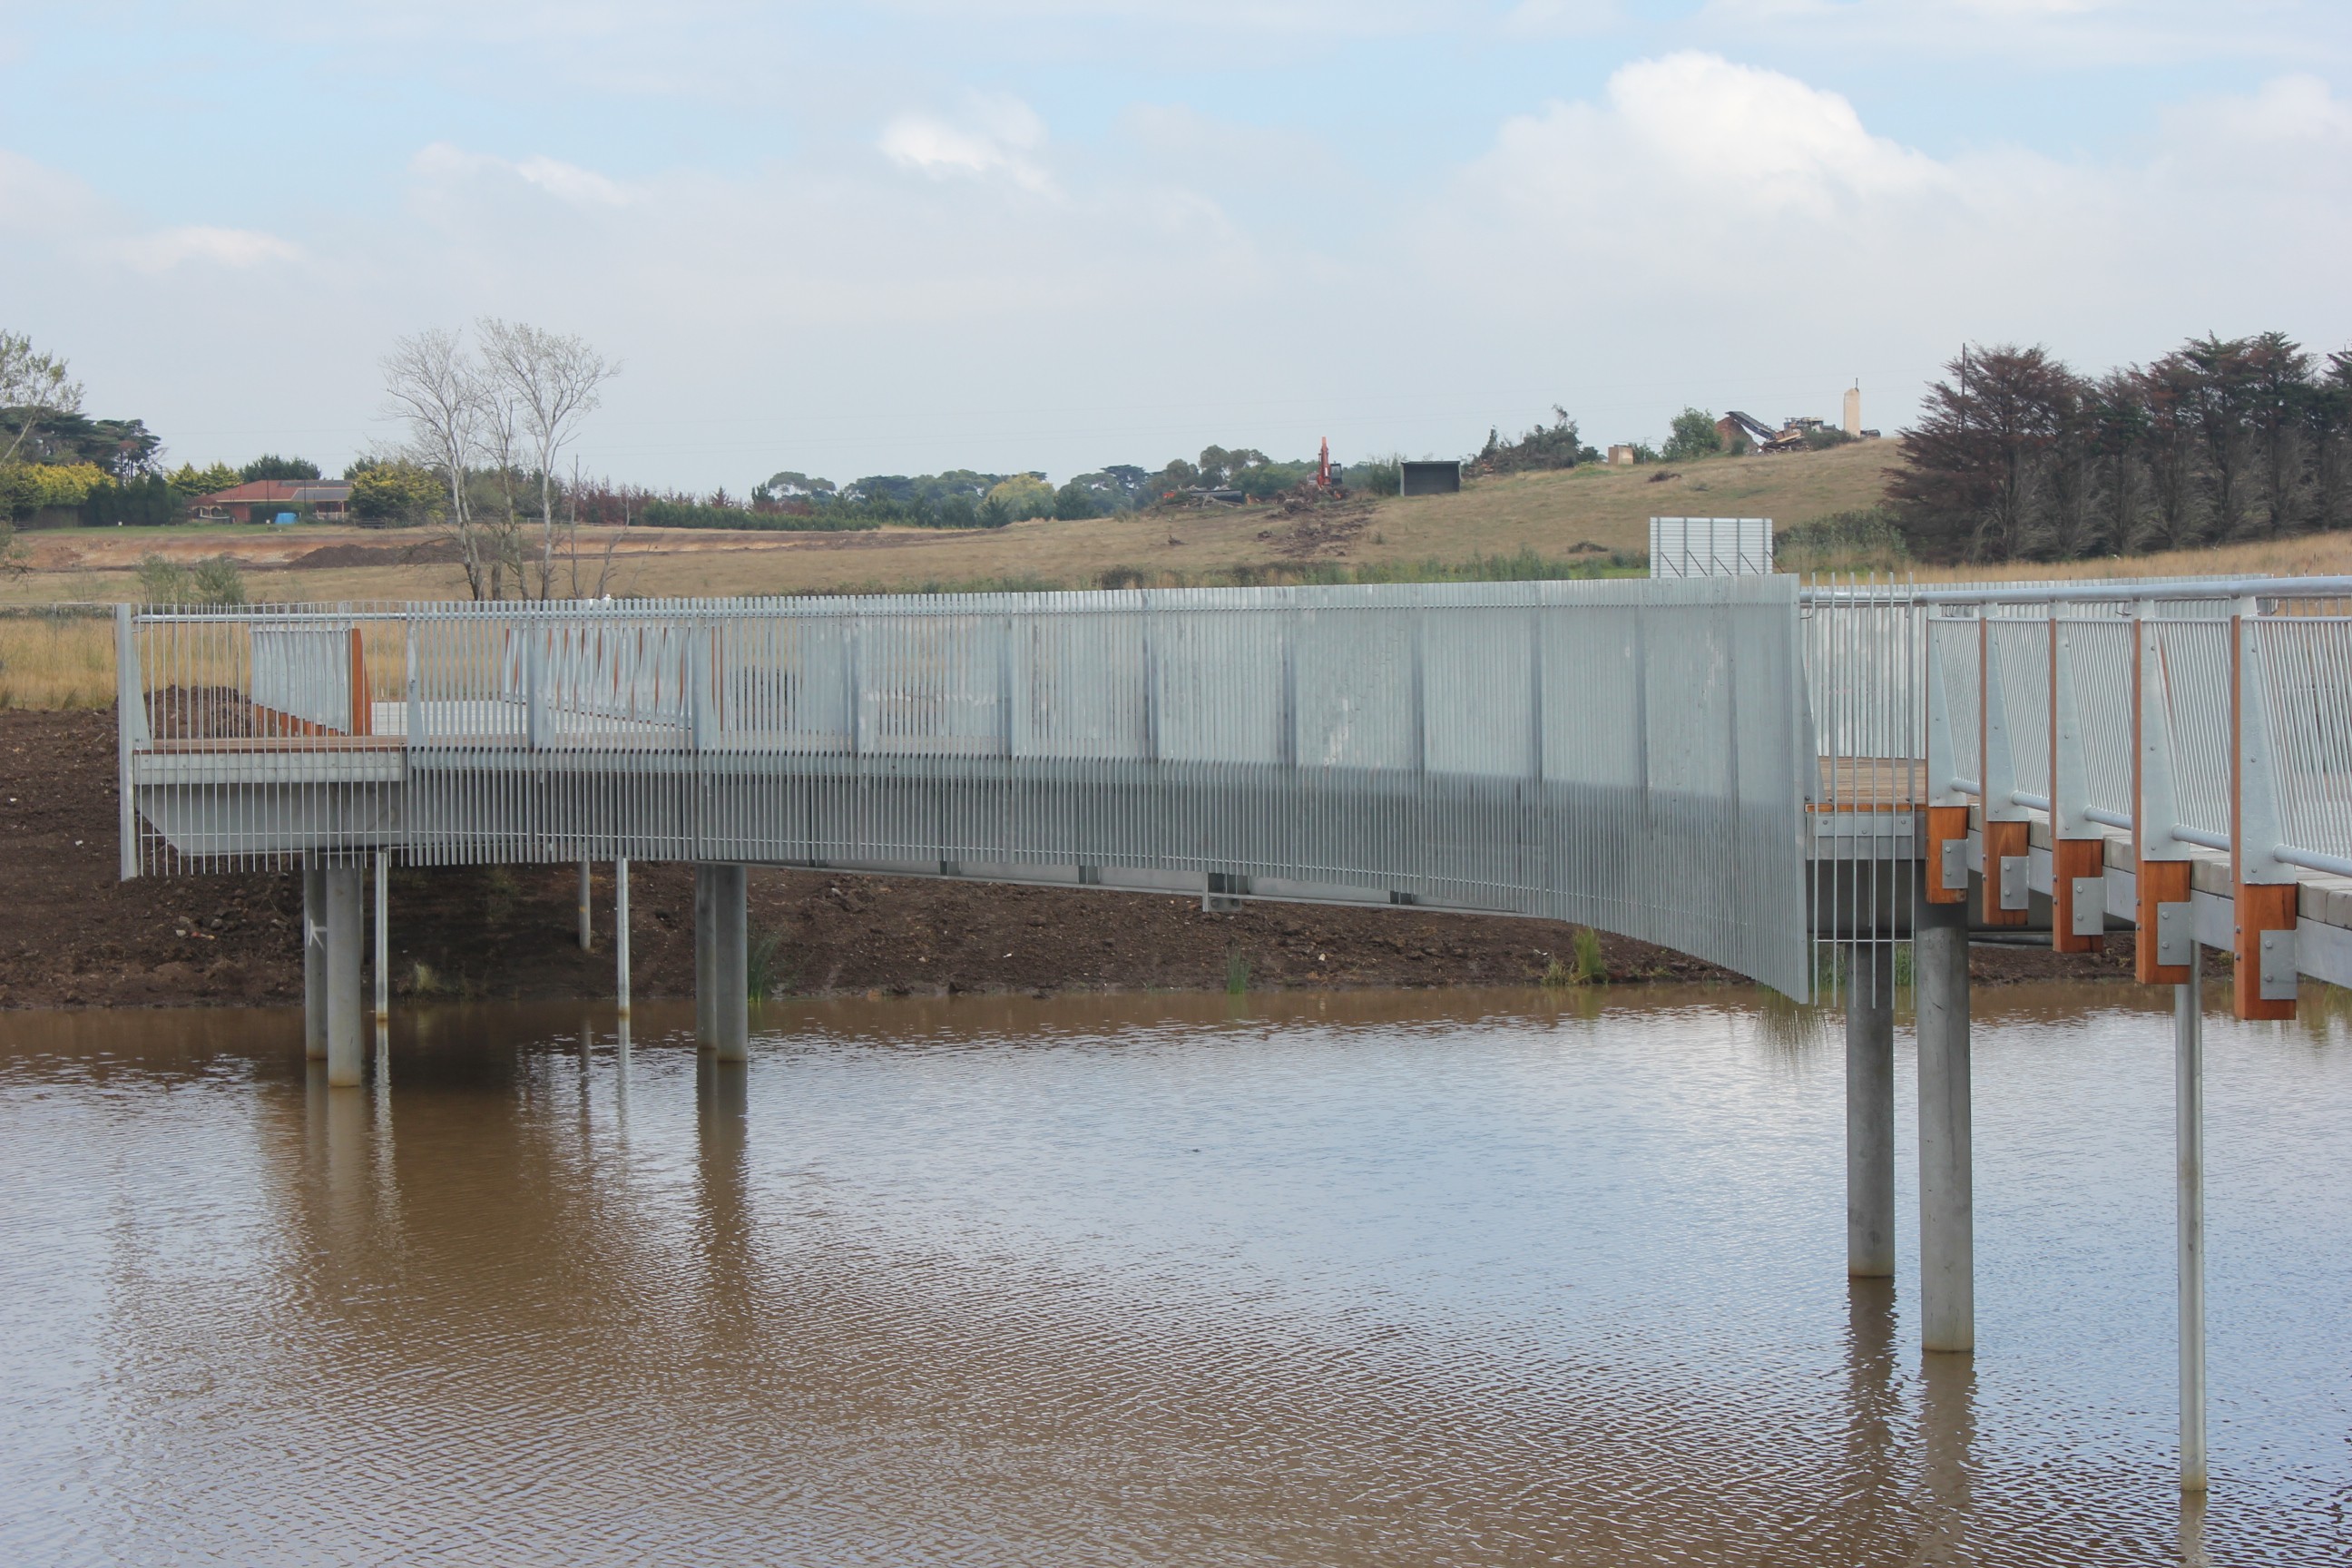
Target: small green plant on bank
{"x": 1590, "y": 967}
{"x": 423, "y": 981}
{"x": 1237, "y": 975}
{"x": 499, "y": 891}
{"x": 1831, "y": 969}
{"x": 766, "y": 974}
{"x": 1584, "y": 965}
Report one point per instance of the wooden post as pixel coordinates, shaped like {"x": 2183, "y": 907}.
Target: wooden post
{"x": 2267, "y": 905}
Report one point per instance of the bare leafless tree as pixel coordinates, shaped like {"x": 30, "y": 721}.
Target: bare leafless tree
{"x": 553, "y": 380}
{"x": 435, "y": 393}
{"x": 501, "y": 424}
{"x": 34, "y": 385}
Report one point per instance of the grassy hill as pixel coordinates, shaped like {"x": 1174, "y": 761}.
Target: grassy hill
{"x": 1548, "y": 513}
{"x": 1551, "y": 513}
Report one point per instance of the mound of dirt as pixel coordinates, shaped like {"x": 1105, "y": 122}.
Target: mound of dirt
{"x": 439, "y": 550}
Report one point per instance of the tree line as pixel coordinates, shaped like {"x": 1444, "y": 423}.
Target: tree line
{"x": 2019, "y": 456}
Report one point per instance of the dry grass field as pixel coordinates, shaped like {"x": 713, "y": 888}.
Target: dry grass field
{"x": 1548, "y": 514}
{"x": 48, "y": 662}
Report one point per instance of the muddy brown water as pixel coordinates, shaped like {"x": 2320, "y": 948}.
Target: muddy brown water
{"x": 1393, "y": 1277}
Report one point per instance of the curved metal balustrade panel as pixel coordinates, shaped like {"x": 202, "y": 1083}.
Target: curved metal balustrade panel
{"x": 1632, "y": 755}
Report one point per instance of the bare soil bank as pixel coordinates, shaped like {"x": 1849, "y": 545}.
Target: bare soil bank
{"x": 73, "y": 935}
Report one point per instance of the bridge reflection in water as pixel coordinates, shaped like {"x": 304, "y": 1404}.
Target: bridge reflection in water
{"x": 1733, "y": 767}
{"x": 1393, "y": 1277}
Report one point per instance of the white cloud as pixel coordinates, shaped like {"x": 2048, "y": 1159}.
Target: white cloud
{"x": 236, "y": 247}
{"x": 1744, "y": 223}
{"x": 2101, "y": 35}
{"x": 1000, "y": 133}
{"x": 1697, "y": 229}
{"x": 42, "y": 207}
{"x": 36, "y": 201}
{"x": 566, "y": 182}
{"x": 1756, "y": 132}
{"x": 1560, "y": 18}
{"x": 2292, "y": 130}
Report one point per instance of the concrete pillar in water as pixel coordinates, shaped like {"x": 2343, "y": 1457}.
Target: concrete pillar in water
{"x": 314, "y": 962}
{"x": 703, "y": 1031}
{"x": 730, "y": 1009}
{"x": 1870, "y": 1111}
{"x": 621, "y": 942}
{"x": 383, "y": 943}
{"x": 1946, "y": 1198}
{"x": 2189, "y": 1132}
{"x": 344, "y": 928}
{"x": 587, "y": 909}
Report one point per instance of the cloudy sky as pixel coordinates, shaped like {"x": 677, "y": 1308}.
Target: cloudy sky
{"x": 1058, "y": 234}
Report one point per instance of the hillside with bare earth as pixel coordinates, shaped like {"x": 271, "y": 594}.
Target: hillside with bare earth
{"x": 1548, "y": 514}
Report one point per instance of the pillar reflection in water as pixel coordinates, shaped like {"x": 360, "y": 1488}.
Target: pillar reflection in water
{"x": 2192, "y": 1530}
{"x": 621, "y": 1074}
{"x": 342, "y": 1130}
{"x": 1947, "y": 1424}
{"x": 722, "y": 1096}
{"x": 1874, "y": 1404}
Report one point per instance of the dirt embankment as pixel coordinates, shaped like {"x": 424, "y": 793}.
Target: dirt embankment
{"x": 73, "y": 935}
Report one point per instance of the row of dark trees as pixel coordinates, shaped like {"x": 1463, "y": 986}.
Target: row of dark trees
{"x": 2018, "y": 456}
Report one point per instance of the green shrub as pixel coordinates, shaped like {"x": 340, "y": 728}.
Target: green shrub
{"x": 1381, "y": 476}
{"x": 216, "y": 581}
{"x": 1866, "y": 539}
{"x": 1693, "y": 435}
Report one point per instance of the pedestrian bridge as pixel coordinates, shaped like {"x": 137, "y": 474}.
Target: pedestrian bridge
{"x": 1627, "y": 755}
{"x": 1737, "y": 767}
{"x": 1733, "y": 767}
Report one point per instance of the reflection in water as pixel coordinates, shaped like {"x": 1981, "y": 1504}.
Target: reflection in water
{"x": 1354, "y": 1278}
{"x": 1874, "y": 1445}
{"x": 1947, "y": 1438}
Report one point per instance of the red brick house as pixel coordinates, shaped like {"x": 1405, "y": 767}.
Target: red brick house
{"x": 327, "y": 497}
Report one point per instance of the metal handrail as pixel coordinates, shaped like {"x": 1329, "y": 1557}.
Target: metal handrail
{"x": 2115, "y": 590}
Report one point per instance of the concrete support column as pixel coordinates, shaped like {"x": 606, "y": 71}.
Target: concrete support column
{"x": 382, "y": 944}
{"x": 1947, "y": 1197}
{"x": 730, "y": 979}
{"x": 2188, "y": 1131}
{"x": 314, "y": 962}
{"x": 1870, "y": 1111}
{"x": 704, "y": 1031}
{"x": 345, "y": 925}
{"x": 587, "y": 909}
{"x": 621, "y": 940}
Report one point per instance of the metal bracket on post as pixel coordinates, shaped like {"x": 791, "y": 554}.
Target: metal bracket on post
{"x": 2166, "y": 951}
{"x": 2005, "y": 827}
{"x": 2279, "y": 974}
{"x": 2266, "y": 890}
{"x": 2077, "y": 848}
{"x": 2176, "y": 935}
{"x": 2088, "y": 907}
{"x": 1946, "y": 882}
{"x": 2015, "y": 894}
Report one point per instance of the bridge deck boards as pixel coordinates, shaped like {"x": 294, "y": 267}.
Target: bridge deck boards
{"x": 1872, "y": 784}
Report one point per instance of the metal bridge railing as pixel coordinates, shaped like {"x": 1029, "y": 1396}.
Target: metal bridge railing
{"x": 1624, "y": 754}
{"x": 2206, "y": 718}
